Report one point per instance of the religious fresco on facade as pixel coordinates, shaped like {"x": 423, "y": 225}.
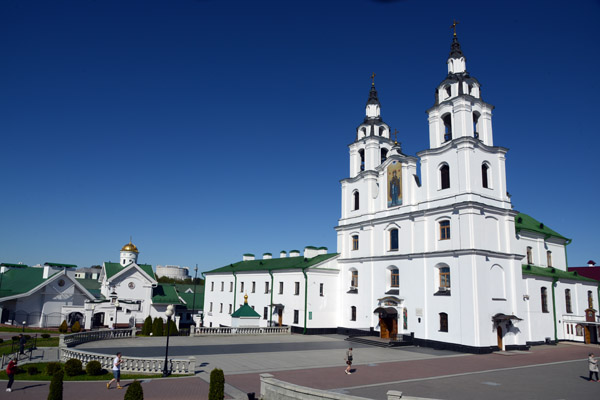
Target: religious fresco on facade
{"x": 394, "y": 178}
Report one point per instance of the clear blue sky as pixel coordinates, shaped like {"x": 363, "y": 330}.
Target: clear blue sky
{"x": 209, "y": 129}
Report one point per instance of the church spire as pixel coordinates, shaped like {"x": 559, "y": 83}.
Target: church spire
{"x": 457, "y": 63}
{"x": 373, "y": 105}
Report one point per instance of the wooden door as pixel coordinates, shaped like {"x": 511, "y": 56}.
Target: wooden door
{"x": 385, "y": 334}
{"x": 394, "y": 328}
{"x": 280, "y": 316}
{"x": 587, "y": 334}
{"x": 499, "y": 332}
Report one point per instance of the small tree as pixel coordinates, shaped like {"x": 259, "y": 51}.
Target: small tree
{"x": 93, "y": 368}
{"x": 134, "y": 391}
{"x": 73, "y": 367}
{"x": 56, "y": 386}
{"x": 157, "y": 327}
{"x": 63, "y": 328}
{"x": 216, "y": 389}
{"x": 53, "y": 367}
{"x": 147, "y": 328}
{"x": 76, "y": 327}
{"x": 172, "y": 329}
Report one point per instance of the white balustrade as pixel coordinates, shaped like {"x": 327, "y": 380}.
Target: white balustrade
{"x": 205, "y": 331}
{"x": 105, "y": 334}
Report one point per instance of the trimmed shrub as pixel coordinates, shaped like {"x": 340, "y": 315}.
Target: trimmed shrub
{"x": 157, "y": 327}
{"x": 147, "y": 328}
{"x": 216, "y": 389}
{"x": 56, "y": 386}
{"x": 32, "y": 370}
{"x": 15, "y": 338}
{"x": 134, "y": 391}
{"x": 172, "y": 329}
{"x": 45, "y": 335}
{"x": 52, "y": 368}
{"x": 76, "y": 328}
{"x": 63, "y": 328}
{"x": 20, "y": 370}
{"x": 73, "y": 367}
{"x": 93, "y": 368}
{"x": 27, "y": 337}
{"x": 1, "y": 340}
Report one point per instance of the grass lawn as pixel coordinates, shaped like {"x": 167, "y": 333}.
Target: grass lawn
{"x": 5, "y": 347}
{"x": 41, "y": 376}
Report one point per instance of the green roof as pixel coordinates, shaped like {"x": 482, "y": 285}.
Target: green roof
{"x": 114, "y": 268}
{"x": 61, "y": 265}
{"x": 13, "y": 265}
{"x": 92, "y": 286}
{"x": 21, "y": 280}
{"x": 245, "y": 311}
{"x": 549, "y": 272}
{"x": 189, "y": 300}
{"x": 528, "y": 223}
{"x": 165, "y": 294}
{"x": 274, "y": 264}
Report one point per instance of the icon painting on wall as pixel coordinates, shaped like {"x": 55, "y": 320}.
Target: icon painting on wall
{"x": 394, "y": 177}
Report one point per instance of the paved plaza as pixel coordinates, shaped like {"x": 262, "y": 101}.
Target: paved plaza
{"x": 545, "y": 372}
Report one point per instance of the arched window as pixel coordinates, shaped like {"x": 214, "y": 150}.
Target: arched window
{"x": 447, "y": 127}
{"x": 549, "y": 258}
{"x": 394, "y": 239}
{"x": 356, "y": 200}
{"x": 444, "y": 230}
{"x": 475, "y": 123}
{"x": 568, "y": 300}
{"x": 354, "y": 278}
{"x": 361, "y": 153}
{"x": 444, "y": 279}
{"x": 354, "y": 242}
{"x": 544, "y": 293}
{"x": 484, "y": 175}
{"x": 394, "y": 278}
{"x": 529, "y": 255}
{"x": 590, "y": 300}
{"x": 497, "y": 283}
{"x": 384, "y": 153}
{"x": 381, "y": 130}
{"x": 353, "y": 313}
{"x": 445, "y": 176}
{"x": 443, "y": 322}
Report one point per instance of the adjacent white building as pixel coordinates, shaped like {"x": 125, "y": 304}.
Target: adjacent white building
{"x": 440, "y": 256}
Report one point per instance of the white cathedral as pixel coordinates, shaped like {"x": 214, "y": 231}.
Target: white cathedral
{"x": 442, "y": 258}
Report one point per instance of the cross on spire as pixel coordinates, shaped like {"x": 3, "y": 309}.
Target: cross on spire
{"x": 373, "y": 79}
{"x": 395, "y": 133}
{"x": 453, "y": 26}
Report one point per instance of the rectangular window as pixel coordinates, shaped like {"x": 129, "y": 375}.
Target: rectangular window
{"x": 222, "y": 286}
{"x": 353, "y": 313}
{"x": 210, "y": 308}
{"x": 354, "y": 280}
{"x": 529, "y": 256}
{"x": 280, "y": 287}
{"x": 266, "y": 287}
{"x": 549, "y": 258}
{"x": 568, "y": 300}
{"x": 231, "y": 286}
{"x": 394, "y": 239}
{"x": 253, "y": 287}
{"x": 355, "y": 242}
{"x": 321, "y": 290}
{"x": 444, "y": 230}
{"x": 395, "y": 278}
{"x": 296, "y": 316}
{"x": 297, "y": 288}
{"x": 212, "y": 286}
{"x": 230, "y": 307}
{"x": 544, "y": 293}
{"x": 266, "y": 313}
{"x": 443, "y": 322}
{"x": 242, "y": 287}
{"x": 444, "y": 278}
{"x": 221, "y": 308}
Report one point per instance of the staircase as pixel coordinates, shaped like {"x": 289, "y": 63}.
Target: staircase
{"x": 402, "y": 341}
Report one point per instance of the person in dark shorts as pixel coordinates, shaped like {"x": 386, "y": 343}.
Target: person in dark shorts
{"x": 348, "y": 361}
{"x": 116, "y": 370}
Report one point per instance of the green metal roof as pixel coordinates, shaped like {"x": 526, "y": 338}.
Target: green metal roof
{"x": 549, "y": 272}
{"x": 61, "y": 265}
{"x": 21, "y": 280}
{"x": 245, "y": 311}
{"x": 92, "y": 286}
{"x": 274, "y": 264}
{"x": 114, "y": 268}
{"x": 528, "y": 223}
{"x": 13, "y": 265}
{"x": 165, "y": 294}
{"x": 189, "y": 300}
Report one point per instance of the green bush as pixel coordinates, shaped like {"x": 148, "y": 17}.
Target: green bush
{"x": 157, "y": 327}
{"x": 134, "y": 391}
{"x": 172, "y": 329}
{"x": 27, "y": 337}
{"x": 216, "y": 389}
{"x": 93, "y": 368}
{"x": 73, "y": 367}
{"x": 56, "y": 386}
{"x": 63, "y": 328}
{"x": 52, "y": 368}
{"x": 45, "y": 335}
{"x": 147, "y": 328}
{"x": 1, "y": 340}
{"x": 32, "y": 370}
{"x": 20, "y": 370}
{"x": 15, "y": 338}
{"x": 76, "y": 328}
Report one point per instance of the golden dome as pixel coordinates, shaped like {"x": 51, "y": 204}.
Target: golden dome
{"x": 130, "y": 247}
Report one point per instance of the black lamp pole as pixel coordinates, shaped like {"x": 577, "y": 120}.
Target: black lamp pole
{"x": 194, "y": 301}
{"x": 169, "y": 312}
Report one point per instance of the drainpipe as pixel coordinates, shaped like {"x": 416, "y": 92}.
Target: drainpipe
{"x": 554, "y": 280}
{"x": 234, "y": 289}
{"x": 305, "y": 298}
{"x": 271, "y": 305}
{"x": 568, "y": 242}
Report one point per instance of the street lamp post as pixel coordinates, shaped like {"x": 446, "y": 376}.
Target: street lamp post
{"x": 194, "y": 300}
{"x": 116, "y": 313}
{"x": 168, "y": 313}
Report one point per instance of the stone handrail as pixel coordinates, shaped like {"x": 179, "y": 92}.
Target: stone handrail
{"x": 242, "y": 331}
{"x": 137, "y": 365}
{"x": 90, "y": 336}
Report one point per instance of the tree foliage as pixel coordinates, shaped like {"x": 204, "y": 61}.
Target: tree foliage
{"x": 134, "y": 391}
{"x": 63, "y": 328}
{"x": 56, "y": 386}
{"x": 158, "y": 327}
{"x": 147, "y": 328}
{"x": 76, "y": 327}
{"x": 216, "y": 389}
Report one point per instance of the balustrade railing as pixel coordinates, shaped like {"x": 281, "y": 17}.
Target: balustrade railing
{"x": 242, "y": 331}
{"x": 137, "y": 365}
{"x": 90, "y": 336}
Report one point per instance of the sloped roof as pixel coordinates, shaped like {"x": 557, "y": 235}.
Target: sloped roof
{"x": 528, "y": 223}
{"x": 114, "y": 268}
{"x": 274, "y": 264}
{"x": 92, "y": 286}
{"x": 13, "y": 265}
{"x": 165, "y": 294}
{"x": 549, "y": 272}
{"x": 61, "y": 265}
{"x": 189, "y": 300}
{"x": 245, "y": 311}
{"x": 21, "y": 280}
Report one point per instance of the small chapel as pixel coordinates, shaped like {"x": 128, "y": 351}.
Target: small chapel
{"x": 429, "y": 247}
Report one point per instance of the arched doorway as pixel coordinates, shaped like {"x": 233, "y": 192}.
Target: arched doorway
{"x": 388, "y": 322}
{"x": 499, "y": 332}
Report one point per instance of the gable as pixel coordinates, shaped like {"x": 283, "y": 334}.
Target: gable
{"x": 115, "y": 270}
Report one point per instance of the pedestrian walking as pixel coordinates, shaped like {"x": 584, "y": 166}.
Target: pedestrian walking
{"x": 11, "y": 369}
{"x": 593, "y": 366}
{"x": 349, "y": 359}
{"x": 116, "y": 370}
{"x": 22, "y": 341}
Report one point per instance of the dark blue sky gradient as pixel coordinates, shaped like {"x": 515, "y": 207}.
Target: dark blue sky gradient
{"x": 209, "y": 129}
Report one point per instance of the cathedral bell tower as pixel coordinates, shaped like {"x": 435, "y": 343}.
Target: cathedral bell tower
{"x": 459, "y": 110}
{"x": 129, "y": 254}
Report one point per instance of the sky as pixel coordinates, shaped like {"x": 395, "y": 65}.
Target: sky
{"x": 206, "y": 129}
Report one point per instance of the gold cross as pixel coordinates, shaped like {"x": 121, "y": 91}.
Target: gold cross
{"x": 373, "y": 79}
{"x": 395, "y": 133}
{"x": 453, "y": 26}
